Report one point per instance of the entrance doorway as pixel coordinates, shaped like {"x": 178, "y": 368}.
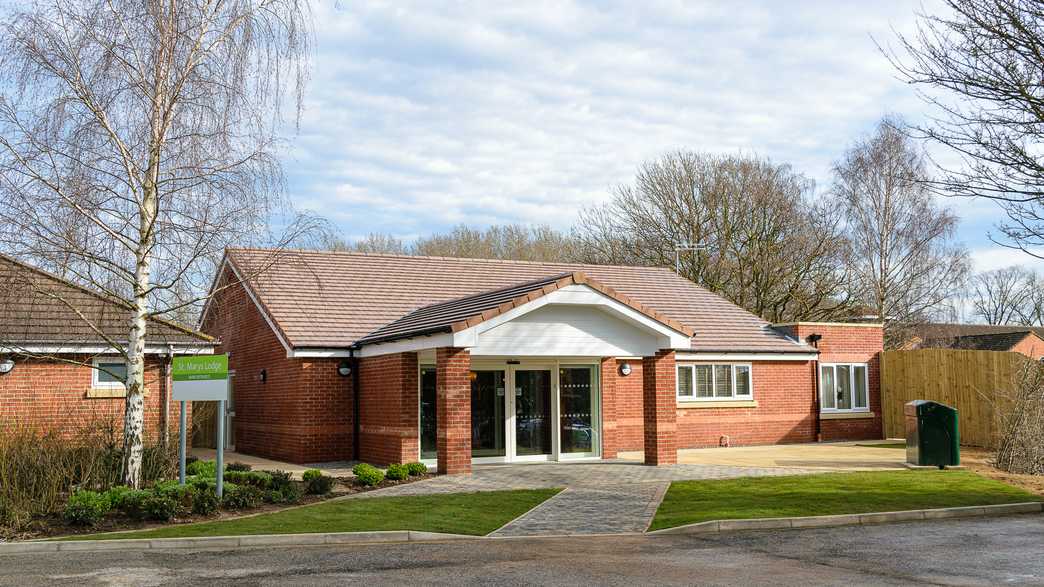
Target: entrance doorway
{"x": 522, "y": 411}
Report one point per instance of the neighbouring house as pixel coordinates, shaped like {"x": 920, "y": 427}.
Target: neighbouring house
{"x": 58, "y": 371}
{"x": 1026, "y": 340}
{"x": 389, "y": 358}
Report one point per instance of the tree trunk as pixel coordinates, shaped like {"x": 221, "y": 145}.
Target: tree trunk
{"x": 134, "y": 414}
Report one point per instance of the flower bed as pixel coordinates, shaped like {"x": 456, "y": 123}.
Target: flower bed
{"x": 167, "y": 502}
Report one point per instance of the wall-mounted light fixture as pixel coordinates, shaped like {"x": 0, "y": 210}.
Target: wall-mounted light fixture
{"x": 263, "y": 376}
{"x": 625, "y": 369}
{"x": 344, "y": 368}
{"x": 6, "y": 366}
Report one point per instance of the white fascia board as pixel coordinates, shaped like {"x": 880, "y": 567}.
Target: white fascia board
{"x": 318, "y": 353}
{"x": 95, "y": 349}
{"x": 409, "y": 345}
{"x": 691, "y": 356}
{"x": 581, "y": 295}
{"x": 261, "y": 309}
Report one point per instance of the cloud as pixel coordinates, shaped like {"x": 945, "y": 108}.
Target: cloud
{"x": 423, "y": 115}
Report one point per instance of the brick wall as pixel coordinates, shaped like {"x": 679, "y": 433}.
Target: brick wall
{"x": 1031, "y": 346}
{"x": 629, "y": 427}
{"x": 51, "y": 396}
{"x": 857, "y": 343}
{"x": 785, "y": 400}
{"x": 388, "y": 409}
{"x": 302, "y": 412}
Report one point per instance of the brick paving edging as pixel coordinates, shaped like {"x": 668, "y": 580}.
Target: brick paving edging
{"x": 399, "y": 536}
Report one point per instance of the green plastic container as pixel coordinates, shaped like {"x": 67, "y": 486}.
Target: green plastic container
{"x": 932, "y": 436}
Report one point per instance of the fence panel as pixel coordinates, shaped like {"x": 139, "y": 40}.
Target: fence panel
{"x": 974, "y": 382}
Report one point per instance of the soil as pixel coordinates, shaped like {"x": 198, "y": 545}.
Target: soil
{"x": 978, "y": 460}
{"x": 54, "y": 526}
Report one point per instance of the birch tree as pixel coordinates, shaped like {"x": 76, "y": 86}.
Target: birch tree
{"x": 903, "y": 262}
{"x": 137, "y": 140}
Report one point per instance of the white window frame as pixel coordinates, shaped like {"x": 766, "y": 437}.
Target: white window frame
{"x": 96, "y": 371}
{"x": 713, "y": 383}
{"x": 851, "y": 382}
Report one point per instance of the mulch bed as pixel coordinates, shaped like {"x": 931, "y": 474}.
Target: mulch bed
{"x": 54, "y": 526}
{"x": 978, "y": 460}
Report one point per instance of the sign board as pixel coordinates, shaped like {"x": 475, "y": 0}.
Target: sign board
{"x": 200, "y": 378}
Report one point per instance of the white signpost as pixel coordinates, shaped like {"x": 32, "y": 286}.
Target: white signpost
{"x": 202, "y": 378}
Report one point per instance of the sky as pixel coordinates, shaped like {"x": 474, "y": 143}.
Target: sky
{"x": 422, "y": 116}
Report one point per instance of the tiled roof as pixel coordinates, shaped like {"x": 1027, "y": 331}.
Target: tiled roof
{"x": 462, "y": 313}
{"x": 334, "y": 299}
{"x": 1001, "y": 341}
{"x": 37, "y": 307}
{"x": 936, "y": 330}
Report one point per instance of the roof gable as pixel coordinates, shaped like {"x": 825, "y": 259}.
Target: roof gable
{"x": 469, "y": 311}
{"x": 322, "y": 299}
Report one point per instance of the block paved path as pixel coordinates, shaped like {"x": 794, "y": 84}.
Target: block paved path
{"x": 610, "y": 509}
{"x": 599, "y": 497}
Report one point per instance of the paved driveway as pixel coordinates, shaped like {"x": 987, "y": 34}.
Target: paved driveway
{"x": 981, "y": 551}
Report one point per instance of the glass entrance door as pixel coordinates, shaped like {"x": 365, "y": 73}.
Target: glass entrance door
{"x": 487, "y": 414}
{"x": 577, "y": 411}
{"x": 532, "y": 412}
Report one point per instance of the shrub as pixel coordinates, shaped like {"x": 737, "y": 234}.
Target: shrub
{"x": 311, "y": 474}
{"x": 258, "y": 479}
{"x": 280, "y": 479}
{"x": 116, "y": 495}
{"x": 202, "y": 469}
{"x": 397, "y": 472}
{"x": 86, "y": 508}
{"x": 241, "y": 497}
{"x": 160, "y": 506}
{"x": 367, "y": 474}
{"x": 206, "y": 501}
{"x": 237, "y": 467}
{"x": 39, "y": 470}
{"x": 291, "y": 493}
{"x": 182, "y": 495}
{"x": 133, "y": 503}
{"x": 417, "y": 468}
{"x": 320, "y": 485}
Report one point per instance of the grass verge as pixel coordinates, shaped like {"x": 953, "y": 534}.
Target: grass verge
{"x": 455, "y": 513}
{"x": 688, "y": 502}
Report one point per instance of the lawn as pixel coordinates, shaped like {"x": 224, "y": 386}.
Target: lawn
{"x": 454, "y": 513}
{"x": 688, "y": 502}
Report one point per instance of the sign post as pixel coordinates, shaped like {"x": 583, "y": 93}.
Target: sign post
{"x": 202, "y": 378}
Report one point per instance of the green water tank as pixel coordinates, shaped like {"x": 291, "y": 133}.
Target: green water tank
{"x": 932, "y": 437}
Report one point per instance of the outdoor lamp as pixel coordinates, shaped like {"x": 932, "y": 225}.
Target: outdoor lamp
{"x": 625, "y": 369}
{"x": 6, "y": 366}
{"x": 344, "y": 369}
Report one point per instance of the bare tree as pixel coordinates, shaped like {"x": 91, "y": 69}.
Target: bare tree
{"x": 508, "y": 241}
{"x": 137, "y": 139}
{"x": 1002, "y": 296}
{"x": 372, "y": 243}
{"x": 979, "y": 65}
{"x": 765, "y": 245}
{"x": 903, "y": 262}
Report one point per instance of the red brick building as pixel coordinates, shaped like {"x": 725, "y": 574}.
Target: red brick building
{"x": 389, "y": 358}
{"x": 60, "y": 367}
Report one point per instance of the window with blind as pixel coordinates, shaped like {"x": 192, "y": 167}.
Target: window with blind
{"x": 714, "y": 382}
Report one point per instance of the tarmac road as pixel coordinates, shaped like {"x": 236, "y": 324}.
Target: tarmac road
{"x": 979, "y": 551}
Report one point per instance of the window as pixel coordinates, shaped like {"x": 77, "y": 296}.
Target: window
{"x": 714, "y": 382}
{"x": 843, "y": 387}
{"x": 108, "y": 373}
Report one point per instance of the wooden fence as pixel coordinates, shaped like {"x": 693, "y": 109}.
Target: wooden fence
{"x": 974, "y": 382}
